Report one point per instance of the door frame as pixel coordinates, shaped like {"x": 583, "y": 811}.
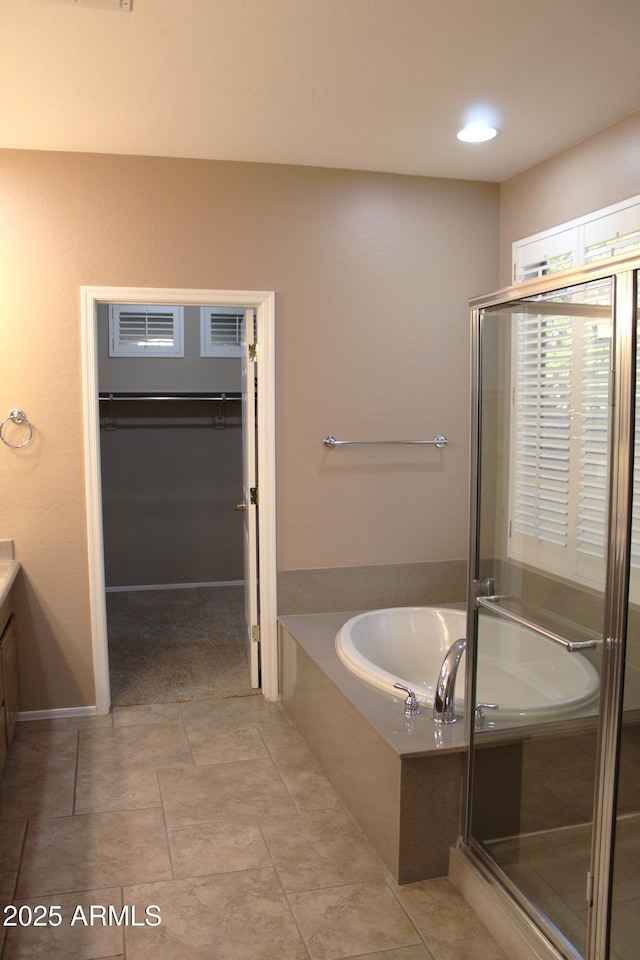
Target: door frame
{"x": 264, "y": 304}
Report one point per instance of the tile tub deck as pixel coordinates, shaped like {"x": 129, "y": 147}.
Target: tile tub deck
{"x": 401, "y": 778}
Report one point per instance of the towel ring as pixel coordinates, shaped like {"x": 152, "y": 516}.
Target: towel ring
{"x": 19, "y": 417}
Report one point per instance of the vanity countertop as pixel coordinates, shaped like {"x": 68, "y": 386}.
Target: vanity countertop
{"x": 8, "y": 573}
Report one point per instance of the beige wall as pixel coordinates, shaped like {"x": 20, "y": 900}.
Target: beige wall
{"x": 593, "y": 174}
{"x": 372, "y": 273}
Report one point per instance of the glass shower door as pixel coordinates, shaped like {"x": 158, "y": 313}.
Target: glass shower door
{"x": 540, "y": 570}
{"x": 625, "y": 892}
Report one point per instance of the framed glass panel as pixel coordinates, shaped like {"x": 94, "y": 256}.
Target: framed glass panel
{"x": 625, "y": 892}
{"x": 542, "y": 536}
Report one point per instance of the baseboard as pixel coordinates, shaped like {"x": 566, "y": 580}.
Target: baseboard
{"x": 61, "y": 713}
{"x": 175, "y": 586}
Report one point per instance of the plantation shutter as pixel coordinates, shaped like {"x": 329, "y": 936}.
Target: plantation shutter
{"x": 559, "y": 422}
{"x": 611, "y": 235}
{"x": 546, "y": 265}
{"x": 543, "y": 428}
{"x": 610, "y": 232}
{"x": 221, "y": 332}
{"x": 559, "y": 481}
{"x": 613, "y": 247}
{"x": 136, "y": 330}
{"x": 594, "y": 435}
{"x": 539, "y": 258}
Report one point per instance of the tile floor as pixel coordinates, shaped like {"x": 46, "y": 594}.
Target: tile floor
{"x": 213, "y": 816}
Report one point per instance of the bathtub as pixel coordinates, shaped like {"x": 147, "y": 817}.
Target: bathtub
{"x": 529, "y": 677}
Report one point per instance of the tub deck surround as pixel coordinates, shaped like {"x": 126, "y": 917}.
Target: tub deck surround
{"x": 401, "y": 778}
{"x": 371, "y": 586}
{"x": 409, "y": 736}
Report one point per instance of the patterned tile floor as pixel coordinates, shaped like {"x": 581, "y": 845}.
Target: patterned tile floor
{"x": 213, "y": 818}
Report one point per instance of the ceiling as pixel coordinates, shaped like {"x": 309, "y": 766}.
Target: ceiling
{"x": 362, "y": 84}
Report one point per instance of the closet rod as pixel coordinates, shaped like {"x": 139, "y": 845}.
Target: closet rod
{"x": 177, "y": 396}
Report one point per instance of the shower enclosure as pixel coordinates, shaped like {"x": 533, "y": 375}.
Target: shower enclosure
{"x": 553, "y": 798}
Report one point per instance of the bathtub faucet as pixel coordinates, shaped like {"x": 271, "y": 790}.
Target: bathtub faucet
{"x": 411, "y": 704}
{"x": 443, "y": 704}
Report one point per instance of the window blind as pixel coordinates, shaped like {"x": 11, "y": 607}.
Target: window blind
{"x": 137, "y": 330}
{"x": 610, "y": 232}
{"x": 559, "y": 426}
{"x": 594, "y": 438}
{"x": 561, "y": 436}
{"x": 221, "y": 332}
{"x": 541, "y": 268}
{"x": 612, "y": 247}
{"x": 543, "y": 427}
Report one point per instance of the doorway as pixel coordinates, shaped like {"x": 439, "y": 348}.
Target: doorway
{"x": 261, "y": 614}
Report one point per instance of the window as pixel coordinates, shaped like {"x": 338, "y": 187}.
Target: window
{"x": 136, "y": 330}
{"x": 548, "y": 254}
{"x": 221, "y": 331}
{"x": 606, "y": 233}
{"x": 560, "y": 428}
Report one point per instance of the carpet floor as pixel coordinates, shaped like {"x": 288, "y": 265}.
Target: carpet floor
{"x": 167, "y": 646}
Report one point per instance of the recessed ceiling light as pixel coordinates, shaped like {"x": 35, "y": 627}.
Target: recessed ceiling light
{"x": 477, "y": 133}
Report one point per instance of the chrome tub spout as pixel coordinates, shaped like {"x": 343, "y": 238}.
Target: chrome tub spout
{"x": 443, "y": 704}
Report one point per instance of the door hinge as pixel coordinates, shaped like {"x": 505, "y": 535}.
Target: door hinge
{"x": 253, "y": 352}
{"x": 255, "y": 633}
{"x": 253, "y": 496}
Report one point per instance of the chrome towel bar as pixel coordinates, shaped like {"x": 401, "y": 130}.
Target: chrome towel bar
{"x": 331, "y": 442}
{"x": 493, "y": 604}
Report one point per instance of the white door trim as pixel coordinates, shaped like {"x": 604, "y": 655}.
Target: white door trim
{"x": 264, "y": 304}
{"x": 248, "y": 366}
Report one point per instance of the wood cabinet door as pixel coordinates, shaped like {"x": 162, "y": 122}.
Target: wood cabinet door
{"x": 10, "y": 676}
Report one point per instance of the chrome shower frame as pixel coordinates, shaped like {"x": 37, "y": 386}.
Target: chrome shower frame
{"x": 623, "y": 272}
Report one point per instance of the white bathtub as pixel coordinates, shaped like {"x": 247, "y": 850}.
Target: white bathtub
{"x": 525, "y": 674}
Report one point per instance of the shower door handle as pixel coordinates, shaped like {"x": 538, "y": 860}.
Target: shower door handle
{"x": 493, "y": 604}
